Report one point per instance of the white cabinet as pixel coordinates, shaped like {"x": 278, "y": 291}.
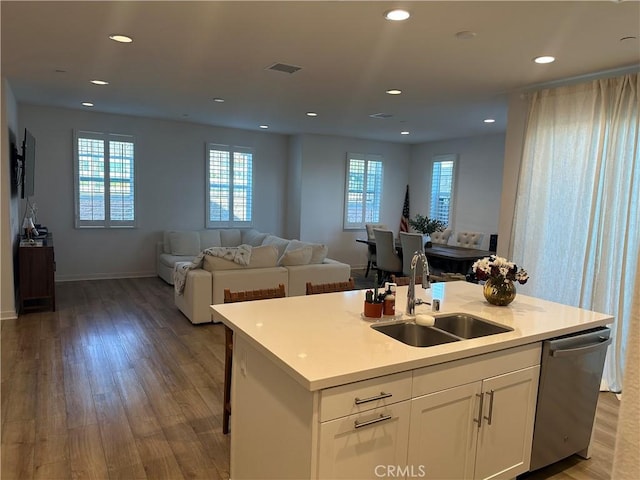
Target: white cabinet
{"x": 417, "y": 423}
{"x": 364, "y": 445}
{"x": 364, "y": 427}
{"x": 478, "y": 430}
{"x": 443, "y": 435}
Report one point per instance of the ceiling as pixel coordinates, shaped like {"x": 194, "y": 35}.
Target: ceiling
{"x": 186, "y": 53}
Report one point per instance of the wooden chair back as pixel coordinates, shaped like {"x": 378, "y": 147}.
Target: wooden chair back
{"x": 248, "y": 295}
{"x": 313, "y": 289}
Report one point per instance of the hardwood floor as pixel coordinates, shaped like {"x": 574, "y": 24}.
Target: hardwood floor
{"x": 118, "y": 384}
{"x": 115, "y": 384}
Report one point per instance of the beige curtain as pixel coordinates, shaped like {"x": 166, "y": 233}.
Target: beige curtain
{"x": 577, "y": 216}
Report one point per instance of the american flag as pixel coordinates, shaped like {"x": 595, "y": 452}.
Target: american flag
{"x": 404, "y": 220}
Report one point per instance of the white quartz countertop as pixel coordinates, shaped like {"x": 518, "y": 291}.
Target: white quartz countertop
{"x": 323, "y": 341}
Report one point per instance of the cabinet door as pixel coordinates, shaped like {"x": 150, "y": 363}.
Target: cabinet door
{"x": 443, "y": 434}
{"x": 504, "y": 443}
{"x": 365, "y": 445}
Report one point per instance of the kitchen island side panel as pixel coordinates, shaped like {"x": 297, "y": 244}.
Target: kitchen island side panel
{"x": 270, "y": 419}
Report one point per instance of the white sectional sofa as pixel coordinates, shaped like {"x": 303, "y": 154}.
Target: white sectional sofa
{"x": 274, "y": 260}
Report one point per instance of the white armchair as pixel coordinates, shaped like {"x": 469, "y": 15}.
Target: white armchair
{"x": 441, "y": 238}
{"x": 470, "y": 239}
{"x": 371, "y": 249}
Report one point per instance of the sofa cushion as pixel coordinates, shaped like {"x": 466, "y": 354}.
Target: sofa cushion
{"x": 230, "y": 237}
{"x": 210, "y": 238}
{"x": 252, "y": 237}
{"x": 261, "y": 257}
{"x": 319, "y": 251}
{"x": 298, "y": 256}
{"x": 280, "y": 243}
{"x": 184, "y": 243}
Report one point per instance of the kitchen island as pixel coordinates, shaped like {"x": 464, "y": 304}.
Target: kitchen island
{"x": 318, "y": 393}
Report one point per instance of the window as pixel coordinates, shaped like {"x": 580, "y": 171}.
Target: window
{"x": 229, "y": 186}
{"x": 104, "y": 180}
{"x": 363, "y": 190}
{"x": 442, "y": 176}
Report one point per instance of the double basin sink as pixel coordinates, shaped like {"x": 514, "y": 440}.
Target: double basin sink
{"x": 446, "y": 328}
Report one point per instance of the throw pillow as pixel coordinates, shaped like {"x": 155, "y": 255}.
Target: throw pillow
{"x": 280, "y": 243}
{"x": 261, "y": 257}
{"x": 252, "y": 237}
{"x": 299, "y": 256}
{"x": 210, "y": 238}
{"x": 185, "y": 243}
{"x": 319, "y": 250}
{"x": 230, "y": 237}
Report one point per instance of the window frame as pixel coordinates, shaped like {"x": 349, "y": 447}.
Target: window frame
{"x": 106, "y": 138}
{"x": 231, "y": 149}
{"x": 440, "y": 158}
{"x": 368, "y": 159}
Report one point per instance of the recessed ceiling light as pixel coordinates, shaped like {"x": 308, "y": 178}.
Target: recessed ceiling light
{"x": 99, "y": 82}
{"x": 489, "y": 120}
{"x": 312, "y": 114}
{"x": 465, "y": 35}
{"x": 218, "y": 100}
{"x": 116, "y": 37}
{"x": 545, "y": 59}
{"x": 397, "y": 15}
{"x": 405, "y": 132}
{"x": 264, "y": 126}
{"x": 394, "y": 91}
{"x": 87, "y": 104}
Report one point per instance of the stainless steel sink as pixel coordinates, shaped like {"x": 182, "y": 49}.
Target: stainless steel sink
{"x": 415, "y": 335}
{"x": 464, "y": 325}
{"x": 447, "y": 328}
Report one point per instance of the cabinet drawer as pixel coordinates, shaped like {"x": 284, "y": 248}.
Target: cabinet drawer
{"x": 362, "y": 446}
{"x": 447, "y": 375}
{"x": 365, "y": 395}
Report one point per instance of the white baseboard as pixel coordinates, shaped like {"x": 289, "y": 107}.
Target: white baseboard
{"x": 8, "y": 315}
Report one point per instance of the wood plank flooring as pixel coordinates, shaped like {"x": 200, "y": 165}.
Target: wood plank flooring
{"x": 115, "y": 384}
{"x": 118, "y": 384}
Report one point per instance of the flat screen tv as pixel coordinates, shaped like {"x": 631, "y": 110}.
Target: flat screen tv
{"x": 28, "y": 164}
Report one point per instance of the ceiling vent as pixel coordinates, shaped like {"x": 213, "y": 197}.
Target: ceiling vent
{"x": 381, "y": 115}
{"x": 284, "y": 68}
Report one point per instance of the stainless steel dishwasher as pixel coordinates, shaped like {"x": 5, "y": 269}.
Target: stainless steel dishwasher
{"x": 570, "y": 374}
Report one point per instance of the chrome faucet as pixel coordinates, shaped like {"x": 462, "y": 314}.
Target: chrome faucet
{"x": 411, "y": 294}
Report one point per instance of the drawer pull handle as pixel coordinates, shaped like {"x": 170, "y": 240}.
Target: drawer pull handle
{"x": 373, "y": 399}
{"x": 381, "y": 418}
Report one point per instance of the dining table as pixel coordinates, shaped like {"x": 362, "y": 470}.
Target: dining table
{"x": 448, "y": 258}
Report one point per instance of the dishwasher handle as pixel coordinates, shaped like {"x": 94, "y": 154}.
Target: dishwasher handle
{"x": 580, "y": 350}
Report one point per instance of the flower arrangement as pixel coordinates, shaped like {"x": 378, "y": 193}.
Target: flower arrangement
{"x": 426, "y": 225}
{"x": 499, "y": 270}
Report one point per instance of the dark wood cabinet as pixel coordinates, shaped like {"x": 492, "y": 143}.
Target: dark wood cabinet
{"x": 37, "y": 267}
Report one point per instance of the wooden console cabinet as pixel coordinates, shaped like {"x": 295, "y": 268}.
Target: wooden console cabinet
{"x": 36, "y": 266}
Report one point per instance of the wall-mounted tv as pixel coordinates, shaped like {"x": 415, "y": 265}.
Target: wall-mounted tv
{"x": 28, "y": 157}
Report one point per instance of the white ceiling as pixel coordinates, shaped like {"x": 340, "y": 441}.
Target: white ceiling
{"x": 186, "y": 53}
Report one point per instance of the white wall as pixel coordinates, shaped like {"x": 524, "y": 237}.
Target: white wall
{"x": 299, "y": 186}
{"x": 294, "y": 185}
{"x": 478, "y": 181}
{"x": 9, "y": 227}
{"x": 323, "y": 182}
{"x": 170, "y": 169}
{"x": 514, "y": 143}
